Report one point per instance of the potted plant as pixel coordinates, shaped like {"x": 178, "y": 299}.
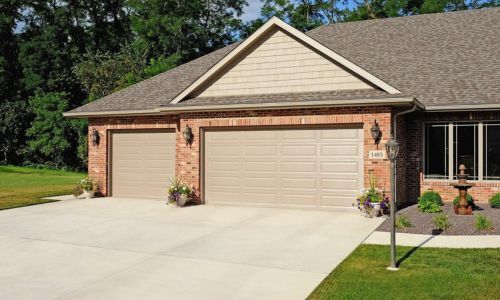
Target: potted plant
{"x": 179, "y": 193}
{"x": 372, "y": 201}
{"x": 88, "y": 186}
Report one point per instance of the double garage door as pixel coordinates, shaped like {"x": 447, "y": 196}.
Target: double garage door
{"x": 287, "y": 167}
{"x": 270, "y": 167}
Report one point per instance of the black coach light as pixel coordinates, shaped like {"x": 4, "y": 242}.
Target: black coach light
{"x": 187, "y": 133}
{"x": 376, "y": 133}
{"x": 95, "y": 137}
{"x": 392, "y": 149}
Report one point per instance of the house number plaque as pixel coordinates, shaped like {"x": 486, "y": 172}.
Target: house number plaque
{"x": 376, "y": 154}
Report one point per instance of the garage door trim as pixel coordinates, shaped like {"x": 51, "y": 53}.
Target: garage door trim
{"x": 109, "y": 142}
{"x": 204, "y": 130}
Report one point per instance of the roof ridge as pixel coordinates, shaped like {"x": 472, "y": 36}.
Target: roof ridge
{"x": 414, "y": 16}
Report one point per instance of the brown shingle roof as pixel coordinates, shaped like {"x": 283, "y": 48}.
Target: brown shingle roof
{"x": 442, "y": 59}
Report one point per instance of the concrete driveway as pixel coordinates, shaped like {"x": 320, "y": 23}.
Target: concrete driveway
{"x": 113, "y": 248}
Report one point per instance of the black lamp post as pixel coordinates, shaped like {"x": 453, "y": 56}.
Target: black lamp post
{"x": 392, "y": 149}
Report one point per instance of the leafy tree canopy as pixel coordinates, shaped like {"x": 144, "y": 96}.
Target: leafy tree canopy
{"x": 53, "y": 137}
{"x": 189, "y": 28}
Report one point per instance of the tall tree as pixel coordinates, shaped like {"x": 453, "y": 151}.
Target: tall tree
{"x": 104, "y": 73}
{"x": 52, "y": 42}
{"x": 107, "y": 24}
{"x": 55, "y": 37}
{"x": 332, "y": 11}
{"x": 14, "y": 113}
{"x": 301, "y": 14}
{"x": 15, "y": 119}
{"x": 189, "y": 28}
{"x": 377, "y": 9}
{"x": 9, "y": 46}
{"x": 100, "y": 73}
{"x": 53, "y": 138}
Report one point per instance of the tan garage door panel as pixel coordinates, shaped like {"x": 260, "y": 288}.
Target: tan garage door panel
{"x": 286, "y": 167}
{"x": 142, "y": 163}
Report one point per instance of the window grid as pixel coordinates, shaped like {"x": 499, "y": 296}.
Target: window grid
{"x": 479, "y": 141}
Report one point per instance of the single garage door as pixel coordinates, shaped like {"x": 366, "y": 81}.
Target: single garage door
{"x": 142, "y": 163}
{"x": 284, "y": 167}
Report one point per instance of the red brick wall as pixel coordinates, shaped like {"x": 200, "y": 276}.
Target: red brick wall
{"x": 481, "y": 192}
{"x": 401, "y": 162}
{"x": 188, "y": 158}
{"x": 416, "y": 184}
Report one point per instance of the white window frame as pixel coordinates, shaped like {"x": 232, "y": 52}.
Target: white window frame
{"x": 451, "y": 150}
{"x": 482, "y": 150}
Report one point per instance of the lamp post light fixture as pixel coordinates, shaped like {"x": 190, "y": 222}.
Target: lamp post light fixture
{"x": 392, "y": 149}
{"x": 187, "y": 133}
{"x": 95, "y": 137}
{"x": 376, "y": 132}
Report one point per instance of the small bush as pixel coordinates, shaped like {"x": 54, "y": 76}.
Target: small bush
{"x": 441, "y": 222}
{"x": 403, "y": 222}
{"x": 483, "y": 223}
{"x": 470, "y": 201}
{"x": 430, "y": 202}
{"x": 495, "y": 200}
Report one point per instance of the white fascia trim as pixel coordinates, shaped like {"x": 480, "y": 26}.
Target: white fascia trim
{"x": 252, "y": 106}
{"x": 274, "y": 21}
{"x": 284, "y": 105}
{"x": 143, "y": 112}
{"x": 463, "y": 107}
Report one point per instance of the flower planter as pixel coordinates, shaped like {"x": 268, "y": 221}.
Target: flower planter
{"x": 88, "y": 194}
{"x": 376, "y": 209}
{"x": 182, "y": 200}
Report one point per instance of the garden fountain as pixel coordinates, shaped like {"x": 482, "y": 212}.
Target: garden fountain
{"x": 462, "y": 185}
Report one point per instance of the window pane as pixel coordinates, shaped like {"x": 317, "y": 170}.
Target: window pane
{"x": 491, "y": 167}
{"x": 465, "y": 142}
{"x": 436, "y": 150}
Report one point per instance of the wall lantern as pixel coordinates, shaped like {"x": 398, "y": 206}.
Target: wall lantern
{"x": 187, "y": 133}
{"x": 376, "y": 133}
{"x": 95, "y": 137}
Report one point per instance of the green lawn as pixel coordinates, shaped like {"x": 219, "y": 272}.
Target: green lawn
{"x": 25, "y": 186}
{"x": 425, "y": 273}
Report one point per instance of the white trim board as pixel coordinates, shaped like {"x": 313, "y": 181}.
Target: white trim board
{"x": 275, "y": 22}
{"x": 251, "y": 106}
{"x": 462, "y": 107}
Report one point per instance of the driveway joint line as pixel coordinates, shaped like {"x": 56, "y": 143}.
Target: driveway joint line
{"x": 241, "y": 264}
{"x": 91, "y": 282}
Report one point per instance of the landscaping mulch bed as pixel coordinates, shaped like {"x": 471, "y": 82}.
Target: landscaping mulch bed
{"x": 460, "y": 225}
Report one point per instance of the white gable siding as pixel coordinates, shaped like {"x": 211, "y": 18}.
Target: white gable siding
{"x": 281, "y": 64}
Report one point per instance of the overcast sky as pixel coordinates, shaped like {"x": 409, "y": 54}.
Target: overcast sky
{"x": 252, "y": 11}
